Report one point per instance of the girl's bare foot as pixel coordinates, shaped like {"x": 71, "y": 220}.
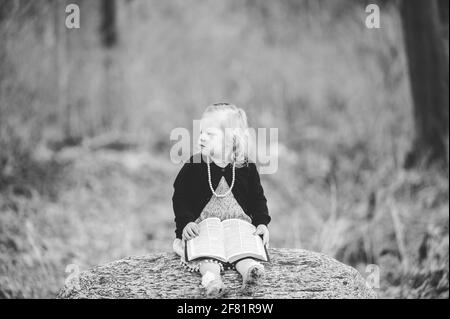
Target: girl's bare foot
{"x": 215, "y": 288}
{"x": 251, "y": 279}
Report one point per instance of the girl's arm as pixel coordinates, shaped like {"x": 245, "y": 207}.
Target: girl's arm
{"x": 182, "y": 199}
{"x": 258, "y": 202}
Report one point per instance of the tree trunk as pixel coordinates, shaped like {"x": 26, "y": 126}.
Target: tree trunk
{"x": 108, "y": 27}
{"x": 426, "y": 42}
{"x": 61, "y": 68}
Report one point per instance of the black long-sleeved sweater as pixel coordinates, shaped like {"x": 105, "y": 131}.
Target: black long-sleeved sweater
{"x": 192, "y": 192}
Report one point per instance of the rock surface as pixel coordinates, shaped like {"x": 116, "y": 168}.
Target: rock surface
{"x": 292, "y": 273}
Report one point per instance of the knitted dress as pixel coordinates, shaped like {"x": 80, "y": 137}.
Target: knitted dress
{"x": 223, "y": 208}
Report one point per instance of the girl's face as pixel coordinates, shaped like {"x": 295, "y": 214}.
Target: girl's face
{"x": 212, "y": 138}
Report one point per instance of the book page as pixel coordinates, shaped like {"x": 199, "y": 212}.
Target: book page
{"x": 240, "y": 241}
{"x": 209, "y": 242}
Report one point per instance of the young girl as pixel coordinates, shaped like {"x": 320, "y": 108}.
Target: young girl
{"x": 220, "y": 181}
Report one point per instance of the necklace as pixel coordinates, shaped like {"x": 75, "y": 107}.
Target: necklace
{"x": 210, "y": 184}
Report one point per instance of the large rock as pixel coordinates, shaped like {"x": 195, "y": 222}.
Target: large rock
{"x": 292, "y": 273}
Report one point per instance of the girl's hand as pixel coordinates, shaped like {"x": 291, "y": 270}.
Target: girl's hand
{"x": 190, "y": 231}
{"x": 263, "y": 230}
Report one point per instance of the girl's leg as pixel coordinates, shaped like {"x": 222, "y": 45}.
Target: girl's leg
{"x": 251, "y": 272}
{"x": 211, "y": 267}
{"x": 211, "y": 279}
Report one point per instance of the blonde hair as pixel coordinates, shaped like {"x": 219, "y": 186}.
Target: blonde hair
{"x": 235, "y": 127}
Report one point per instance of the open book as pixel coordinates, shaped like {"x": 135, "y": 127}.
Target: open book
{"x": 229, "y": 241}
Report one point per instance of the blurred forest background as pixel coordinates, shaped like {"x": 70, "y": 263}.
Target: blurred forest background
{"x": 86, "y": 115}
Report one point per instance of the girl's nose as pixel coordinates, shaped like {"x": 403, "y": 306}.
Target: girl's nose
{"x": 203, "y": 137}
